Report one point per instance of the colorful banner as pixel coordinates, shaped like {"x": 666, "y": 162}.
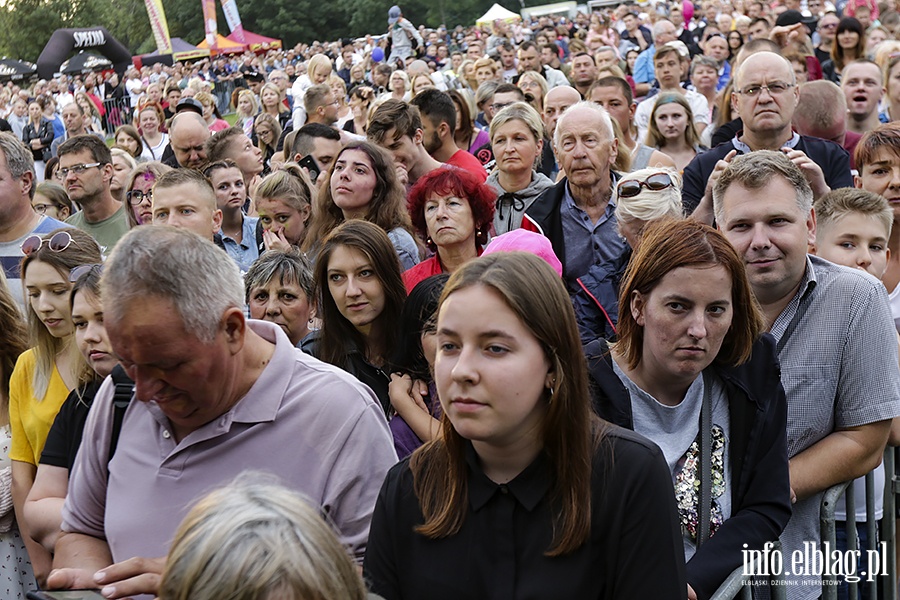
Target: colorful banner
{"x": 229, "y": 7}
{"x": 159, "y": 26}
{"x": 209, "y": 21}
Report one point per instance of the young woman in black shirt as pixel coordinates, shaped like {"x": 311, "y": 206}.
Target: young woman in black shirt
{"x": 525, "y": 494}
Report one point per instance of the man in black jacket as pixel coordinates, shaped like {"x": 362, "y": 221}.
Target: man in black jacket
{"x": 578, "y": 213}
{"x": 765, "y": 97}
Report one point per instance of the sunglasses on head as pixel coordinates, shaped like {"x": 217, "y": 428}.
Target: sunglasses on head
{"x": 656, "y": 183}
{"x": 59, "y": 242}
{"x": 82, "y": 270}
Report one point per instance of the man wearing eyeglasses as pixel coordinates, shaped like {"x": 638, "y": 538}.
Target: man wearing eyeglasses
{"x": 765, "y": 97}
{"x": 85, "y": 166}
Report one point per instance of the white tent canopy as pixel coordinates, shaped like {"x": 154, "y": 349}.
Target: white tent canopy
{"x": 497, "y": 12}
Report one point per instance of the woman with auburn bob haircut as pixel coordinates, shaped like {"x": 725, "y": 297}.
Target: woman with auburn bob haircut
{"x": 693, "y": 372}
{"x": 525, "y": 489}
{"x": 452, "y": 211}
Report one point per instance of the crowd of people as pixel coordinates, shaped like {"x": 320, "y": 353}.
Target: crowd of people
{"x": 576, "y": 308}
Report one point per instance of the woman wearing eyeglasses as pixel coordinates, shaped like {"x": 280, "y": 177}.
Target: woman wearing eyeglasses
{"x": 642, "y": 196}
{"x": 138, "y": 193}
{"x": 693, "y": 371}
{"x": 52, "y": 200}
{"x": 45, "y": 374}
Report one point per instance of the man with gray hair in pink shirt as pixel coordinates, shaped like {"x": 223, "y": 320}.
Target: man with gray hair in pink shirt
{"x": 215, "y": 395}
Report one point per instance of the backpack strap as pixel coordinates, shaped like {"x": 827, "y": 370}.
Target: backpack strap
{"x": 124, "y": 390}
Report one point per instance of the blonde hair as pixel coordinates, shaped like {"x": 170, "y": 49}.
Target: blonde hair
{"x": 254, "y": 104}
{"x": 649, "y": 205}
{"x": 83, "y": 250}
{"x": 254, "y": 540}
{"x": 837, "y": 204}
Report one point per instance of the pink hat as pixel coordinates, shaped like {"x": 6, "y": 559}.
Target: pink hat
{"x": 522, "y": 240}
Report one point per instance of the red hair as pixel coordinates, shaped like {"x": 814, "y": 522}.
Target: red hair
{"x": 451, "y": 181}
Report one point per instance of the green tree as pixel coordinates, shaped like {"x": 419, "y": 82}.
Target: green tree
{"x": 28, "y": 24}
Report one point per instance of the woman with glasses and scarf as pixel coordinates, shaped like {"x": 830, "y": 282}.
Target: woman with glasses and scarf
{"x": 693, "y": 371}
{"x": 517, "y": 139}
{"x": 45, "y": 374}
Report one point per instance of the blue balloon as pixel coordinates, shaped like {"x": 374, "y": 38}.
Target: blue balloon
{"x": 377, "y": 54}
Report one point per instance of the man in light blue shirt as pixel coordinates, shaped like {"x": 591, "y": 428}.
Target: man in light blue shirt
{"x": 663, "y": 33}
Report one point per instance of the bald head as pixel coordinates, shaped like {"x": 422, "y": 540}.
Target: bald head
{"x": 556, "y": 102}
{"x": 417, "y": 67}
{"x": 188, "y": 133}
{"x": 752, "y": 63}
{"x": 822, "y": 111}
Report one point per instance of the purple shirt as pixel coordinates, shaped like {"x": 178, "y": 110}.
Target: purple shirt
{"x": 319, "y": 430}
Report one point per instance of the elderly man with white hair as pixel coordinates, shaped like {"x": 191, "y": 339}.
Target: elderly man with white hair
{"x": 578, "y": 213}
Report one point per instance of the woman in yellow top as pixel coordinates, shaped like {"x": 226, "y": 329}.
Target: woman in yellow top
{"x": 45, "y": 374}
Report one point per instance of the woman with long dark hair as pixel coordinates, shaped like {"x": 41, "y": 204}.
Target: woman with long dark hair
{"x": 525, "y": 489}
{"x": 363, "y": 184}
{"x": 412, "y": 391}
{"x": 361, "y": 296}
{"x": 849, "y": 44}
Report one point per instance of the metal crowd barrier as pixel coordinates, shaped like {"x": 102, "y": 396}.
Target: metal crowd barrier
{"x": 117, "y": 112}
{"x": 881, "y": 542}
{"x": 740, "y": 585}
{"x": 881, "y": 548}
{"x": 222, "y": 91}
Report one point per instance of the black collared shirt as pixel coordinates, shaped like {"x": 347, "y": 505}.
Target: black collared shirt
{"x": 634, "y": 550}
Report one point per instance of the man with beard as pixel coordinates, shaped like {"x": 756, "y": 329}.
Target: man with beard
{"x": 397, "y": 127}
{"x": 438, "y": 126}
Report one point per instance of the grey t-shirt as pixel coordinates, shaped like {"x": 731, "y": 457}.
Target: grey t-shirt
{"x": 676, "y": 430}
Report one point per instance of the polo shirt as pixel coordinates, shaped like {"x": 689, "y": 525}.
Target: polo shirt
{"x": 838, "y": 352}
{"x": 316, "y": 428}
